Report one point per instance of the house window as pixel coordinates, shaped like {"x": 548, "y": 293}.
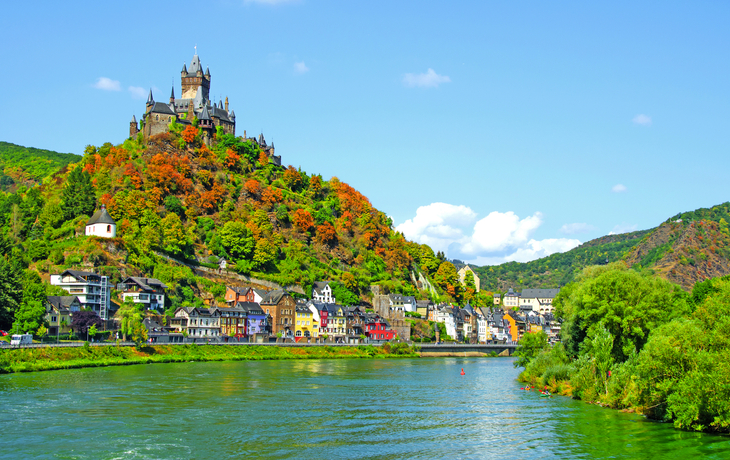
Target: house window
{"x": 108, "y": 228}
{"x": 53, "y": 319}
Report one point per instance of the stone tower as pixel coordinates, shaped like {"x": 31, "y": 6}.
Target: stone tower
{"x": 193, "y": 80}
{"x": 133, "y": 127}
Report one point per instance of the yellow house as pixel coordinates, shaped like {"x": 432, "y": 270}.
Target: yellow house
{"x": 58, "y": 313}
{"x": 305, "y": 325}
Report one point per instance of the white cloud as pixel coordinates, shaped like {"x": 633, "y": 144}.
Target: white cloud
{"x": 137, "y": 92}
{"x": 107, "y": 84}
{"x": 578, "y": 227}
{"x": 494, "y": 239}
{"x": 430, "y": 79}
{"x": 618, "y": 188}
{"x": 300, "y": 67}
{"x": 641, "y": 119}
{"x": 623, "y": 228}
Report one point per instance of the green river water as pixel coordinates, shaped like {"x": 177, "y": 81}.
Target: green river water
{"x": 320, "y": 409}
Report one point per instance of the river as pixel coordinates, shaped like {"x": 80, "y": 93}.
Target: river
{"x": 320, "y": 409}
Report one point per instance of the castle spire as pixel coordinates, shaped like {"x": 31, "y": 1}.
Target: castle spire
{"x": 184, "y": 69}
{"x": 226, "y": 103}
{"x": 172, "y": 95}
{"x": 150, "y": 99}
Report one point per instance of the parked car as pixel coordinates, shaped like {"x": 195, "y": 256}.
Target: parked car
{"x": 3, "y": 333}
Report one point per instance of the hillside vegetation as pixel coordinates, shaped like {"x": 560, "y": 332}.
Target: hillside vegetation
{"x": 690, "y": 247}
{"x": 180, "y": 204}
{"x": 27, "y": 166}
{"x": 557, "y": 269}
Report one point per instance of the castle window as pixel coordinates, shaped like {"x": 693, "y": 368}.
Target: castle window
{"x": 108, "y": 228}
{"x": 157, "y": 118}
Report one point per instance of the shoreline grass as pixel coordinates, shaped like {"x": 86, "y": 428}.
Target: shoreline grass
{"x": 47, "y": 359}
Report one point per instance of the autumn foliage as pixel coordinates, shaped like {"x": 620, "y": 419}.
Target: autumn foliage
{"x": 303, "y": 219}
{"x": 326, "y": 233}
{"x": 189, "y": 134}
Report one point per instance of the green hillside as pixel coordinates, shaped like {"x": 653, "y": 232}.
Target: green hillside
{"x": 28, "y": 166}
{"x": 181, "y": 206}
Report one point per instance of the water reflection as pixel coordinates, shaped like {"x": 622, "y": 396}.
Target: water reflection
{"x": 422, "y": 408}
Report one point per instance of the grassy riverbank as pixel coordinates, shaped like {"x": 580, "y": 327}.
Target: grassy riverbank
{"x": 44, "y": 359}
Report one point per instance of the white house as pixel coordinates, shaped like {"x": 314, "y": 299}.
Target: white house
{"x": 322, "y": 292}
{"x": 101, "y": 224}
{"x": 400, "y": 302}
{"x": 511, "y": 299}
{"x": 482, "y": 335}
{"x": 538, "y": 300}
{"x": 148, "y": 291}
{"x": 445, "y": 315}
{"x": 198, "y": 322}
{"x": 93, "y": 290}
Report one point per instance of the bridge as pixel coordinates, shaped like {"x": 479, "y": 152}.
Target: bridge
{"x": 459, "y": 349}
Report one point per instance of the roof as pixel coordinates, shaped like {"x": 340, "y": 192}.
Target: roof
{"x": 79, "y": 275}
{"x": 239, "y": 290}
{"x": 62, "y": 302}
{"x": 101, "y": 217}
{"x": 273, "y": 297}
{"x": 540, "y": 293}
{"x": 205, "y": 115}
{"x": 147, "y": 284}
{"x": 195, "y": 65}
{"x": 251, "y": 308}
{"x": 319, "y": 285}
{"x": 161, "y": 107}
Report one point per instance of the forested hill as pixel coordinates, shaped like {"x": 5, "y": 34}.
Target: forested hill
{"x": 174, "y": 197}
{"x": 557, "y": 269}
{"x": 28, "y": 166}
{"x": 689, "y": 247}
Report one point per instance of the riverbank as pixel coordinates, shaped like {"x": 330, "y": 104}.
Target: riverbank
{"x": 46, "y": 359}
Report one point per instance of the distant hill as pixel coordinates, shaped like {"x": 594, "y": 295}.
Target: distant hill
{"x": 557, "y": 269}
{"x": 689, "y": 247}
{"x": 28, "y": 166}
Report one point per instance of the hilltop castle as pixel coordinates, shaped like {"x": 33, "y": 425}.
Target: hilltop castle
{"x": 194, "y": 103}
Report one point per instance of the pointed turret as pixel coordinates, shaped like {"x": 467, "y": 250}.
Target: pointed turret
{"x": 232, "y": 116}
{"x": 172, "y": 95}
{"x": 150, "y": 99}
{"x": 185, "y": 69}
{"x": 205, "y": 115}
{"x": 134, "y": 119}
{"x": 207, "y": 72}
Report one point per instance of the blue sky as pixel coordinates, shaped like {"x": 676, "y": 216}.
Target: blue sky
{"x": 491, "y": 130}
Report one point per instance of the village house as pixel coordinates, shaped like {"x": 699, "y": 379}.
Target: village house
{"x": 511, "y": 299}
{"x": 92, "y": 290}
{"x": 322, "y": 292}
{"x": 59, "y": 310}
{"x": 232, "y": 321}
{"x": 197, "y": 322}
{"x": 378, "y": 330}
{"x": 306, "y": 327}
{"x": 257, "y": 322}
{"x": 147, "y": 291}
{"x": 423, "y": 307}
{"x": 279, "y": 304}
{"x": 538, "y": 300}
{"x": 400, "y": 302}
{"x": 235, "y": 294}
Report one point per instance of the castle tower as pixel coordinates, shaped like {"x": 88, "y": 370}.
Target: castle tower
{"x": 172, "y": 96}
{"x": 226, "y": 103}
{"x": 133, "y": 127}
{"x": 193, "y": 80}
{"x": 150, "y": 102}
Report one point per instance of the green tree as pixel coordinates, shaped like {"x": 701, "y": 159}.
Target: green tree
{"x": 237, "y": 240}
{"x": 11, "y": 290}
{"x": 131, "y": 317}
{"x": 343, "y": 295}
{"x": 531, "y": 344}
{"x": 628, "y": 304}
{"x": 78, "y": 197}
{"x": 174, "y": 239}
{"x": 29, "y": 317}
